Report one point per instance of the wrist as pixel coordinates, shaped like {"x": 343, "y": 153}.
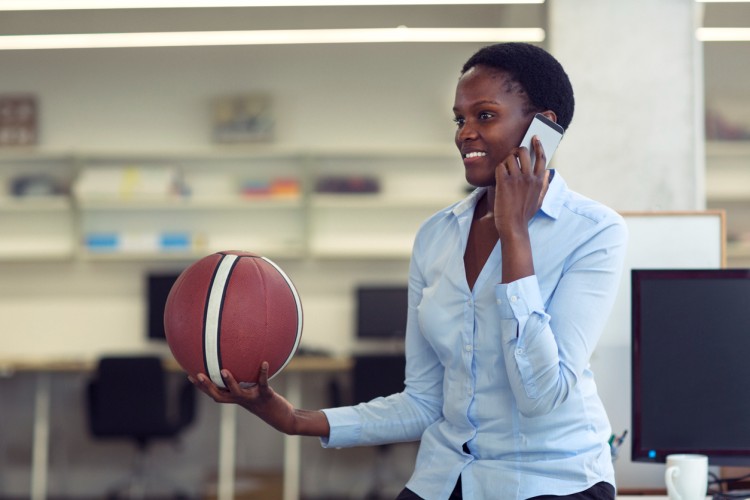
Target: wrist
{"x": 310, "y": 423}
{"x": 517, "y": 234}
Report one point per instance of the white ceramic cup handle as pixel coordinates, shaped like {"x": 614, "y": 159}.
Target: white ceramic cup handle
{"x": 669, "y": 476}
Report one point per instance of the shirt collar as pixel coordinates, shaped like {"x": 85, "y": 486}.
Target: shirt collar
{"x": 469, "y": 202}
{"x": 555, "y": 197}
{"x": 551, "y": 205}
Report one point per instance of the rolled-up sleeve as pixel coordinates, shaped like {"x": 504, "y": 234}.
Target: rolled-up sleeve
{"x": 547, "y": 347}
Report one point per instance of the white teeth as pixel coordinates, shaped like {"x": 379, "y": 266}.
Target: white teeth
{"x": 475, "y": 154}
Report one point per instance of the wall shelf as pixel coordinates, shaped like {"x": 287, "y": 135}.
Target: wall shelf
{"x": 123, "y": 206}
{"x": 378, "y": 201}
{"x": 35, "y": 204}
{"x": 187, "y": 204}
{"x": 728, "y": 149}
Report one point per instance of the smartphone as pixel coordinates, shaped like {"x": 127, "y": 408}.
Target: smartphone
{"x": 549, "y": 132}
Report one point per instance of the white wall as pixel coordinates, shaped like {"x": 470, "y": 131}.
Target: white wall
{"x": 159, "y": 98}
{"x": 637, "y": 141}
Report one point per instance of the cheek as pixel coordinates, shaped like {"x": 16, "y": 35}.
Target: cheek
{"x": 504, "y": 145}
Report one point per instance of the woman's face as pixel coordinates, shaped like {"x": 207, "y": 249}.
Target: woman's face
{"x": 492, "y": 115}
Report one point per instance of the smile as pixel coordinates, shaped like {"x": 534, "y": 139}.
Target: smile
{"x": 475, "y": 154}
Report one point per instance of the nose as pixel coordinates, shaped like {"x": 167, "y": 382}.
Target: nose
{"x": 466, "y": 132}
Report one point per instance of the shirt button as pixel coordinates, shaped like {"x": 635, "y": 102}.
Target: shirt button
{"x": 467, "y": 347}
{"x": 513, "y": 299}
{"x": 499, "y": 301}
{"x": 519, "y": 351}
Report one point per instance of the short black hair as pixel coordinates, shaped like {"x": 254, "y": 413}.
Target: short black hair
{"x": 541, "y": 75}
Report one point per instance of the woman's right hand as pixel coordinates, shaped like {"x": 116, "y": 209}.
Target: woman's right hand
{"x": 261, "y": 400}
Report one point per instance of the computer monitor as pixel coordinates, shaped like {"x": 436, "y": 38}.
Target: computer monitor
{"x": 381, "y": 312}
{"x": 691, "y": 364}
{"x": 158, "y": 285}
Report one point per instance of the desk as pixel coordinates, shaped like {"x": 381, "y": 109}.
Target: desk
{"x": 44, "y": 368}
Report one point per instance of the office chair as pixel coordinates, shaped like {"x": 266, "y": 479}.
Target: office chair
{"x": 129, "y": 398}
{"x": 376, "y": 375}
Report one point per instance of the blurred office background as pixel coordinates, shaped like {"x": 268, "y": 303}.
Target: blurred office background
{"x": 131, "y": 167}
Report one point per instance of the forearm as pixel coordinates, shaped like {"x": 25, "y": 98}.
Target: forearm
{"x": 311, "y": 423}
{"x": 282, "y": 416}
{"x": 517, "y": 258}
{"x": 262, "y": 401}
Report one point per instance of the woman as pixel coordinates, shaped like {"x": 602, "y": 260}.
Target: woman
{"x": 509, "y": 290}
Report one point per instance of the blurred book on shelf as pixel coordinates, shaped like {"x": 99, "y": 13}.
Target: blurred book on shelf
{"x": 281, "y": 187}
{"x": 102, "y": 242}
{"x": 125, "y": 183}
{"x": 347, "y": 184}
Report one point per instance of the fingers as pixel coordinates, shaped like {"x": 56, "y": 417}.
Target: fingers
{"x": 203, "y": 384}
{"x": 230, "y": 382}
{"x": 239, "y": 388}
{"x": 218, "y": 394}
{"x": 540, "y": 161}
{"x": 263, "y": 375}
{"x": 521, "y": 157}
{"x": 234, "y": 391}
{"x": 517, "y": 162}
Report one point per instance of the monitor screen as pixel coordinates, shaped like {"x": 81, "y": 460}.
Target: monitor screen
{"x": 381, "y": 312}
{"x": 158, "y": 286}
{"x": 691, "y": 364}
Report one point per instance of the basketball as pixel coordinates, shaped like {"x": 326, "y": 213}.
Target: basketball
{"x": 233, "y": 310}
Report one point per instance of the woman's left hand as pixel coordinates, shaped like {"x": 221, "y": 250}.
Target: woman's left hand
{"x": 519, "y": 190}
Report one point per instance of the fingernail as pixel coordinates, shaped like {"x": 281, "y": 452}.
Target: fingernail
{"x": 224, "y": 373}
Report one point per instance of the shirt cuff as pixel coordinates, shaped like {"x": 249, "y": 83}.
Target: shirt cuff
{"x": 345, "y": 427}
{"x": 518, "y": 300}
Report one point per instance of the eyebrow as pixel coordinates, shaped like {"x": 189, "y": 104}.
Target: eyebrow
{"x": 482, "y": 102}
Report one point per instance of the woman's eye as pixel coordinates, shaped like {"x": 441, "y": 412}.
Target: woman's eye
{"x": 459, "y": 121}
{"x": 485, "y": 115}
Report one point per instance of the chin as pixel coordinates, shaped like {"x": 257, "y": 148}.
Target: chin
{"x": 479, "y": 182}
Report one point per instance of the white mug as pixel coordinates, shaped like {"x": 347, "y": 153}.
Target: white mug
{"x": 686, "y": 477}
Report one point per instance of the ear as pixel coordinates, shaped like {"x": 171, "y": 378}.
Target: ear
{"x": 550, "y": 114}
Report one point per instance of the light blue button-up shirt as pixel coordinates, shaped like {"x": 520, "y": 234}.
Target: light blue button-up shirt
{"x": 503, "y": 368}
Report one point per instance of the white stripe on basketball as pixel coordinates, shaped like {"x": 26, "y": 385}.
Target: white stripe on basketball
{"x": 213, "y": 313}
{"x": 298, "y": 305}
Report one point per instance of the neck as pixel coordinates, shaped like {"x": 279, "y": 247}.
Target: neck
{"x": 486, "y": 204}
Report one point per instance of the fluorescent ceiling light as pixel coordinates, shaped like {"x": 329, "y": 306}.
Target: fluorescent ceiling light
{"x": 162, "y": 4}
{"x": 269, "y": 37}
{"x": 723, "y": 34}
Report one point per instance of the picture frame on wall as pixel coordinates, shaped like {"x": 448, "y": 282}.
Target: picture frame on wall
{"x": 242, "y": 119}
{"x": 18, "y": 120}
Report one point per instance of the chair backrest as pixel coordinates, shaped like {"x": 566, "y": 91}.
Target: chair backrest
{"x": 377, "y": 375}
{"x": 128, "y": 397}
